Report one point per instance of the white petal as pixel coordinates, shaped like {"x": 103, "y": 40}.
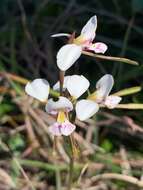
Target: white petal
{"x": 52, "y": 106}
{"x": 112, "y": 101}
{"x": 55, "y": 129}
{"x": 67, "y": 56}
{"x": 60, "y": 35}
{"x": 38, "y": 88}
{"x": 86, "y": 109}
{"x": 98, "y": 47}
{"x": 67, "y": 128}
{"x": 104, "y": 86}
{"x": 88, "y": 31}
{"x": 57, "y": 85}
{"x": 77, "y": 85}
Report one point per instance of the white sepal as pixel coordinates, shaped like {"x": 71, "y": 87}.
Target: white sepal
{"x": 67, "y": 56}
{"x": 77, "y": 85}
{"x": 60, "y": 35}
{"x": 52, "y": 107}
{"x": 88, "y": 31}
{"x": 86, "y": 109}
{"x": 112, "y": 101}
{"x": 104, "y": 86}
{"x": 38, "y": 88}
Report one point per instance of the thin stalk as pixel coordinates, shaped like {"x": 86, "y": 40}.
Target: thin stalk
{"x": 71, "y": 164}
{"x": 71, "y": 169}
{"x": 61, "y": 79}
{"x": 58, "y": 180}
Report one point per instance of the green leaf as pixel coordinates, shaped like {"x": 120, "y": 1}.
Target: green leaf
{"x": 128, "y": 91}
{"x": 16, "y": 142}
{"x": 130, "y": 106}
{"x": 107, "y": 145}
{"x": 5, "y": 108}
{"x": 137, "y": 5}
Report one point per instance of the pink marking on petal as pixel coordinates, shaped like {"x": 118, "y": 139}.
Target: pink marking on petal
{"x": 112, "y": 101}
{"x": 53, "y": 112}
{"x": 98, "y": 47}
{"x": 55, "y": 129}
{"x": 67, "y": 128}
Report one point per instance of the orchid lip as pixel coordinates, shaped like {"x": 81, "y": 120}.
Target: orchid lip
{"x": 62, "y": 104}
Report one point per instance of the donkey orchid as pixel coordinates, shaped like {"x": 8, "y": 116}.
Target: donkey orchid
{"x": 39, "y": 89}
{"x": 101, "y": 95}
{"x": 60, "y": 108}
{"x": 69, "y": 53}
{"x": 76, "y": 86}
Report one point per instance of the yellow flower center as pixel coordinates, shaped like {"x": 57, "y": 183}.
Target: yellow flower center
{"x": 92, "y": 96}
{"x": 79, "y": 40}
{"x": 61, "y": 117}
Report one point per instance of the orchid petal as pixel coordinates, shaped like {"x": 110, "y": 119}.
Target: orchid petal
{"x": 104, "y": 86}
{"x": 67, "y": 128}
{"x": 38, "y": 88}
{"x": 86, "y": 109}
{"x": 60, "y": 35}
{"x": 55, "y": 129}
{"x": 88, "y": 31}
{"x": 112, "y": 101}
{"x": 98, "y": 47}
{"x": 77, "y": 85}
{"x": 57, "y": 85}
{"x": 67, "y": 56}
{"x": 52, "y": 106}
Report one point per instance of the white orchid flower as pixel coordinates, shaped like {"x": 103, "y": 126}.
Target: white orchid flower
{"x": 104, "y": 87}
{"x": 76, "y": 86}
{"x": 69, "y": 53}
{"x": 61, "y": 107}
{"x": 38, "y": 88}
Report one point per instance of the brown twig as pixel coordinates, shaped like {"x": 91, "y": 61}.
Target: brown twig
{"x": 119, "y": 177}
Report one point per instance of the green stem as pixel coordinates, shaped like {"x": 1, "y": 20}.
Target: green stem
{"x": 54, "y": 93}
{"x": 71, "y": 169}
{"x": 42, "y": 165}
{"x": 46, "y": 166}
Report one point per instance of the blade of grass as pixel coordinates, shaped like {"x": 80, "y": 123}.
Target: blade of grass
{"x": 128, "y": 91}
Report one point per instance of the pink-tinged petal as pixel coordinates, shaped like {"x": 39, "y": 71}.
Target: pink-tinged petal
{"x": 55, "y": 129}
{"x": 88, "y": 31}
{"x": 98, "y": 47}
{"x": 104, "y": 86}
{"x": 67, "y": 128}
{"x": 67, "y": 56}
{"x": 112, "y": 101}
{"x": 52, "y": 106}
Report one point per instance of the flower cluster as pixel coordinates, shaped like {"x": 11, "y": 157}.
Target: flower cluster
{"x": 74, "y": 86}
